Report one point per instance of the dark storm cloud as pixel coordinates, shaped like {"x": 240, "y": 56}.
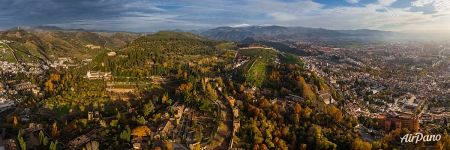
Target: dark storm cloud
{"x": 135, "y": 15}
{"x": 33, "y": 12}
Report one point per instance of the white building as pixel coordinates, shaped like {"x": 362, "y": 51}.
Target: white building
{"x": 96, "y": 75}
{"x": 110, "y": 54}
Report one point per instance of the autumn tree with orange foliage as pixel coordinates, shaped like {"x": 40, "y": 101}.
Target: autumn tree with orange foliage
{"x": 141, "y": 131}
{"x": 359, "y": 144}
{"x": 307, "y": 92}
{"x": 52, "y": 82}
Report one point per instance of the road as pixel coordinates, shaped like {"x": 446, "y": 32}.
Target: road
{"x": 227, "y": 110}
{"x": 223, "y": 137}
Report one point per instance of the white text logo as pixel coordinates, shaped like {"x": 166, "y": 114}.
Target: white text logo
{"x": 417, "y": 137}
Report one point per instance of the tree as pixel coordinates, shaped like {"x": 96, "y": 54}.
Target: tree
{"x": 165, "y": 98}
{"x": 93, "y": 145}
{"x": 336, "y": 113}
{"x": 306, "y": 112}
{"x": 264, "y": 103}
{"x": 359, "y": 144}
{"x": 315, "y": 137}
{"x": 439, "y": 145}
{"x": 279, "y": 143}
{"x": 126, "y": 134}
{"x": 377, "y": 145}
{"x": 168, "y": 145}
{"x": 445, "y": 141}
{"x": 42, "y": 138}
{"x": 307, "y": 92}
{"x": 141, "y": 120}
{"x": 220, "y": 82}
{"x": 102, "y": 123}
{"x": 212, "y": 94}
{"x": 241, "y": 88}
{"x": 114, "y": 123}
{"x": 50, "y": 84}
{"x": 54, "y": 130}
{"x": 53, "y": 145}
{"x": 45, "y": 141}
{"x": 141, "y": 131}
{"x": 118, "y": 115}
{"x": 148, "y": 108}
{"x": 15, "y": 121}
{"x": 297, "y": 108}
{"x": 22, "y": 143}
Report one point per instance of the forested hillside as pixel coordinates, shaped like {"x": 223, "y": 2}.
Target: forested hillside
{"x": 49, "y": 45}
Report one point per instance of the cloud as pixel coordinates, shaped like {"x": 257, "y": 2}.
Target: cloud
{"x": 440, "y": 6}
{"x": 386, "y": 2}
{"x": 152, "y": 15}
{"x": 421, "y": 3}
{"x": 352, "y": 1}
{"x": 61, "y": 11}
{"x": 240, "y": 25}
{"x": 281, "y": 16}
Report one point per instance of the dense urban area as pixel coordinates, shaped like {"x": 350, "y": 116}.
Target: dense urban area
{"x": 178, "y": 90}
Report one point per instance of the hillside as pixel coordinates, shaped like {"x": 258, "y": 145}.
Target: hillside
{"x": 283, "y": 107}
{"x": 161, "y": 53}
{"x": 260, "y": 63}
{"x": 171, "y": 42}
{"x": 49, "y": 45}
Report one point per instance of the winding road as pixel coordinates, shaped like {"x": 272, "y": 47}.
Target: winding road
{"x": 222, "y": 140}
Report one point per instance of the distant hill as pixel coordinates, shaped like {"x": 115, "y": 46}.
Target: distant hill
{"x": 56, "y": 28}
{"x": 294, "y": 33}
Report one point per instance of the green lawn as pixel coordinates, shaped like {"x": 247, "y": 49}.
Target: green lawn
{"x": 264, "y": 54}
{"x": 256, "y": 70}
{"x": 256, "y": 74}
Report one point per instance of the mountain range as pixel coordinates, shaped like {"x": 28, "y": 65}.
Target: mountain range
{"x": 297, "y": 33}
{"x": 273, "y": 33}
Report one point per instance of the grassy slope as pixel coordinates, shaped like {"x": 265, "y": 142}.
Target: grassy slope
{"x": 257, "y": 69}
{"x": 6, "y": 55}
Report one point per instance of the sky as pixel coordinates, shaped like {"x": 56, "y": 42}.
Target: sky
{"x": 152, "y": 15}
